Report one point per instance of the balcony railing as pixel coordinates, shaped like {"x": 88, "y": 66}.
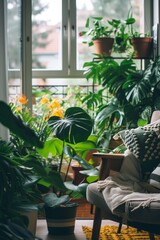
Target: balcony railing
{"x": 57, "y": 90}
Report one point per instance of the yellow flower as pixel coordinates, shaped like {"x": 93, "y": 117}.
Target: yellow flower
{"x": 44, "y": 100}
{"x": 23, "y": 99}
{"x": 18, "y": 109}
{"x": 54, "y": 104}
{"x": 58, "y": 112}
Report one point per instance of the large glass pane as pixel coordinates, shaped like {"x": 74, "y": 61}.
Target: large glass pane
{"x": 47, "y": 34}
{"x": 13, "y": 33}
{"x": 108, "y": 9}
{"x": 14, "y": 46}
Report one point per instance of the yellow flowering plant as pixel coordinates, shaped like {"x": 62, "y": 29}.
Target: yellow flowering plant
{"x": 60, "y": 131}
{"x": 37, "y": 120}
{"x": 44, "y": 108}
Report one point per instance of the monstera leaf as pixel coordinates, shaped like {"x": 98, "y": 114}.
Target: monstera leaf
{"x": 75, "y": 127}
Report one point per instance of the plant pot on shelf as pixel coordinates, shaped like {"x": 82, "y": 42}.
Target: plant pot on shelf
{"x": 103, "y": 46}
{"x": 142, "y": 46}
{"x": 61, "y": 220}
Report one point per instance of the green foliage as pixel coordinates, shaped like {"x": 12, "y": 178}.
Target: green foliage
{"x": 17, "y": 189}
{"x": 16, "y": 126}
{"x": 96, "y": 28}
{"x": 68, "y": 133}
{"x": 132, "y": 94}
{"x": 52, "y": 200}
{"x": 122, "y": 33}
{"x": 76, "y": 126}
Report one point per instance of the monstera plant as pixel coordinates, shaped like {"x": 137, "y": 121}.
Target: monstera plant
{"x": 127, "y": 96}
{"x": 74, "y": 128}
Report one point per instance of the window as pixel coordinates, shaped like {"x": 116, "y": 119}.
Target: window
{"x": 57, "y": 50}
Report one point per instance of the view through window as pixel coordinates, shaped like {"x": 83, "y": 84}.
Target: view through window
{"x": 56, "y": 44}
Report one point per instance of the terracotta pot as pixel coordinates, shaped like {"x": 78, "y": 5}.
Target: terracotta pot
{"x": 103, "y": 46}
{"x": 143, "y": 47}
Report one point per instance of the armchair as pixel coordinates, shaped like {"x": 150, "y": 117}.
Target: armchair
{"x": 141, "y": 212}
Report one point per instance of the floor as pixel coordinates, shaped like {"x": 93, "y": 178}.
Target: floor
{"x": 84, "y": 217}
{"x": 78, "y": 233}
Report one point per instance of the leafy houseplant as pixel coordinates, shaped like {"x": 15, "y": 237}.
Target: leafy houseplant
{"x": 122, "y": 33}
{"x": 75, "y": 127}
{"x": 17, "y": 192}
{"x": 132, "y": 94}
{"x": 101, "y": 35}
{"x": 142, "y": 45}
{"x": 108, "y": 74}
{"x": 77, "y": 121}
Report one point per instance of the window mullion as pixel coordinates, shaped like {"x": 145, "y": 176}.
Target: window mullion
{"x": 26, "y": 33}
{"x": 64, "y": 38}
{"x": 3, "y": 61}
{"x": 73, "y": 41}
{"x": 72, "y": 38}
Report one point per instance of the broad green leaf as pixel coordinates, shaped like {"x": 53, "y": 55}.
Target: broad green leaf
{"x": 16, "y": 126}
{"x": 51, "y": 200}
{"x": 53, "y": 146}
{"x": 76, "y": 126}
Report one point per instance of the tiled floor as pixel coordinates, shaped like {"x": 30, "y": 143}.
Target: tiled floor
{"x": 78, "y": 233}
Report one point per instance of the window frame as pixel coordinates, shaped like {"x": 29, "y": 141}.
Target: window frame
{"x": 69, "y": 55}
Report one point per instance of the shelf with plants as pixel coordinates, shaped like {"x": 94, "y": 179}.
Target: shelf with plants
{"x": 124, "y": 35}
{"x": 127, "y": 93}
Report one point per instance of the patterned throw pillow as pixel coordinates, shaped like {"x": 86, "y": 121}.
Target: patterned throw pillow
{"x": 154, "y": 178}
{"x": 144, "y": 143}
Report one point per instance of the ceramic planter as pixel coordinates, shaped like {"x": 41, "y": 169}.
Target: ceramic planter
{"x": 103, "y": 46}
{"x": 61, "y": 220}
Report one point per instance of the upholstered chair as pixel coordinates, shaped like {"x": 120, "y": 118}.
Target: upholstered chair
{"x": 133, "y": 170}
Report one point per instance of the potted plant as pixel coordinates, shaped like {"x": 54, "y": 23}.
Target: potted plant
{"x": 74, "y": 127}
{"x": 77, "y": 121}
{"x": 122, "y": 33}
{"x": 17, "y": 192}
{"x": 101, "y": 35}
{"x": 142, "y": 45}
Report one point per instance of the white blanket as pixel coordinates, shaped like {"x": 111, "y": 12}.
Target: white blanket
{"x": 126, "y": 185}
